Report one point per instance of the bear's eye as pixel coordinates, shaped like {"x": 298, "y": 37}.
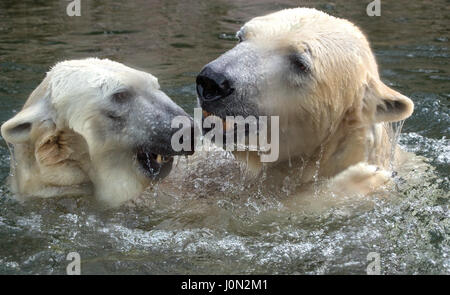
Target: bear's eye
{"x": 121, "y": 96}
{"x": 299, "y": 63}
{"x": 112, "y": 115}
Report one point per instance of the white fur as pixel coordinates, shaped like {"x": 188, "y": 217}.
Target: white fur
{"x": 70, "y": 147}
{"x": 334, "y": 118}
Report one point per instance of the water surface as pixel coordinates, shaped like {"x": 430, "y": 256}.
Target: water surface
{"x": 173, "y": 40}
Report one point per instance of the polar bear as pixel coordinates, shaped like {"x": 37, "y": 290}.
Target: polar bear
{"x": 319, "y": 75}
{"x": 92, "y": 127}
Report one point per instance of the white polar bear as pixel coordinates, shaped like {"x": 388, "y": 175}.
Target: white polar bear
{"x": 93, "y": 126}
{"x": 319, "y": 75}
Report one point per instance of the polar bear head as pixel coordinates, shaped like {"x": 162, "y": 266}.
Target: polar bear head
{"x": 92, "y": 126}
{"x": 315, "y": 71}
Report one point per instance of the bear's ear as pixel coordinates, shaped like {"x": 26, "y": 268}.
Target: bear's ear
{"x": 35, "y": 111}
{"x": 385, "y": 104}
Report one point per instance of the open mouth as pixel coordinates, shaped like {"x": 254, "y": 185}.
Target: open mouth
{"x": 154, "y": 166}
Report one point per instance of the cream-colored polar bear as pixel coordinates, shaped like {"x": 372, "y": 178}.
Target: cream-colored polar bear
{"x": 92, "y": 126}
{"x": 319, "y": 75}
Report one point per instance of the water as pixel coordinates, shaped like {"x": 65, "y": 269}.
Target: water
{"x": 210, "y": 228}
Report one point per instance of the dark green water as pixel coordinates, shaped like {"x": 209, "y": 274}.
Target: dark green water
{"x": 173, "y": 40}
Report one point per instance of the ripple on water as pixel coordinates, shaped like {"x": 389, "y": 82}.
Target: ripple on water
{"x": 438, "y": 150}
{"x": 409, "y": 227}
{"x": 409, "y": 230}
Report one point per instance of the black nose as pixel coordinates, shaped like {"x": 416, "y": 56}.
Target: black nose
{"x": 212, "y": 85}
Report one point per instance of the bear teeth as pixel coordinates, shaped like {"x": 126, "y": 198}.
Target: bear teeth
{"x": 160, "y": 159}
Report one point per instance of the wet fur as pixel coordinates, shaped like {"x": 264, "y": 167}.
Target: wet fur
{"x": 334, "y": 117}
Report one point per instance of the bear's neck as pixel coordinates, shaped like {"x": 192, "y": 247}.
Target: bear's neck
{"x": 344, "y": 148}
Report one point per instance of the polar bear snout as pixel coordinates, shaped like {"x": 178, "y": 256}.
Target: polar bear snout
{"x": 230, "y": 84}
{"x": 212, "y": 85}
{"x": 155, "y": 156}
{"x": 151, "y": 125}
